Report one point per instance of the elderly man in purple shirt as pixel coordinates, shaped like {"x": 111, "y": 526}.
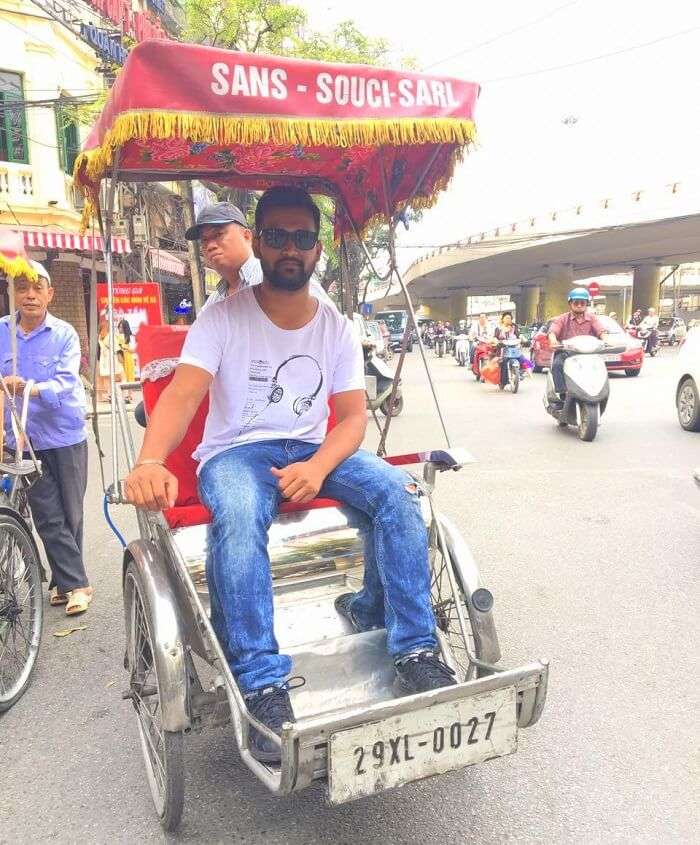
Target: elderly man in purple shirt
{"x": 48, "y": 356}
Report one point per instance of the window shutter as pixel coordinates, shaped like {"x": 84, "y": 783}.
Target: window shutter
{"x": 15, "y": 126}
{"x": 60, "y": 140}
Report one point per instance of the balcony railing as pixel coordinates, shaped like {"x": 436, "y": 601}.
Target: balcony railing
{"x": 16, "y": 183}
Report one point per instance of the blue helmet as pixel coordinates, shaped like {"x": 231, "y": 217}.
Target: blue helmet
{"x": 579, "y": 293}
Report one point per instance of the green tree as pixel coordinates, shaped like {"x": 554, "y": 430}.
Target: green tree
{"x": 253, "y": 26}
{"x": 275, "y": 26}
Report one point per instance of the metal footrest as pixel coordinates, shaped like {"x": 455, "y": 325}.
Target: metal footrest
{"x": 23, "y": 468}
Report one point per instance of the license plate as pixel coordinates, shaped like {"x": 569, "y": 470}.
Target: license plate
{"x": 437, "y": 739}
{"x": 614, "y": 358}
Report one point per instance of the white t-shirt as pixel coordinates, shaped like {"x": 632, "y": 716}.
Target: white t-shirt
{"x": 270, "y": 383}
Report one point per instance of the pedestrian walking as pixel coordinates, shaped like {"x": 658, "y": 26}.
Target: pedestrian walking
{"x": 48, "y": 364}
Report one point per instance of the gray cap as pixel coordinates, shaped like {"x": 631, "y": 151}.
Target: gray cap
{"x": 216, "y": 214}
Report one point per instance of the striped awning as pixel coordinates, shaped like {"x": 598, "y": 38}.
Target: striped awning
{"x": 167, "y": 262}
{"x": 52, "y": 239}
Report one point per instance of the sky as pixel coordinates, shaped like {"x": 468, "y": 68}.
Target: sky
{"x": 632, "y": 120}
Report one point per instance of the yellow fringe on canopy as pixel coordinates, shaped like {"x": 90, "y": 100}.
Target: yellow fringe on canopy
{"x": 94, "y": 165}
{"x": 17, "y": 266}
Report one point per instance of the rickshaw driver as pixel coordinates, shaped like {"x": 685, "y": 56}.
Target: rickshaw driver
{"x": 270, "y": 357}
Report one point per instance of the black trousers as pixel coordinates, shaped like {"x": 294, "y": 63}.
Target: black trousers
{"x": 558, "y": 359}
{"x": 56, "y": 501}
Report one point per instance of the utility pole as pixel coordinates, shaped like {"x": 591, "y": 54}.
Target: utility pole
{"x": 196, "y": 269}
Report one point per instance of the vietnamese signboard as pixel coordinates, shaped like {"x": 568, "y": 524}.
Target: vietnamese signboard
{"x": 106, "y": 44}
{"x": 135, "y": 302}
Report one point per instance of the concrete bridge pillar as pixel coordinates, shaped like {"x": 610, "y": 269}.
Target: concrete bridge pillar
{"x": 645, "y": 287}
{"x": 559, "y": 281}
{"x": 458, "y": 307}
{"x": 528, "y": 303}
{"x": 614, "y": 303}
{"x": 437, "y": 309}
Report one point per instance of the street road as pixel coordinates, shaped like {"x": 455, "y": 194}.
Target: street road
{"x": 591, "y": 551}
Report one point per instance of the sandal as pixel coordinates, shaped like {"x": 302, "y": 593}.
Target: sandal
{"x": 78, "y": 601}
{"x": 57, "y": 598}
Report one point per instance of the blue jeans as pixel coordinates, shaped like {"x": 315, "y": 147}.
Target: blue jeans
{"x": 243, "y": 497}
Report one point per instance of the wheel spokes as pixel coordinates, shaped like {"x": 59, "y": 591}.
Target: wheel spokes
{"x": 20, "y": 609}
{"x": 144, "y": 678}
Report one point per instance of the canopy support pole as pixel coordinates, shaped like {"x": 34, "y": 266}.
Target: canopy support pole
{"x": 407, "y": 297}
{"x": 198, "y": 281}
{"x": 345, "y": 279}
{"x": 109, "y": 271}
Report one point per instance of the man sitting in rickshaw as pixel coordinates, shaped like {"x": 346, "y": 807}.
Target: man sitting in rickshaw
{"x": 270, "y": 358}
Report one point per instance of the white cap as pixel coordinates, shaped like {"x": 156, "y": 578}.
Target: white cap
{"x": 40, "y": 270}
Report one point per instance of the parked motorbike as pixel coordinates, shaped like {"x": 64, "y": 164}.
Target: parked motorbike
{"x": 379, "y": 383}
{"x": 462, "y": 349}
{"x": 587, "y": 385}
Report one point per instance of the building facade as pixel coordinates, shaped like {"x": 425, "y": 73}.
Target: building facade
{"x": 58, "y": 57}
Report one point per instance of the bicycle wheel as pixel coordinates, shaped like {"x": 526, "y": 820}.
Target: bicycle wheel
{"x": 162, "y": 750}
{"x": 445, "y": 610}
{"x": 21, "y": 609}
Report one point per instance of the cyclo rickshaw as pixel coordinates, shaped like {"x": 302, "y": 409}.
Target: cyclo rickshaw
{"x": 376, "y": 142}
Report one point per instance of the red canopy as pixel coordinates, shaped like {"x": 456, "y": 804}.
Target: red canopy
{"x": 187, "y": 111}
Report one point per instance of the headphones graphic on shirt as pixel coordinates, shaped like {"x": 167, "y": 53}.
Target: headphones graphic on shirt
{"x": 301, "y": 404}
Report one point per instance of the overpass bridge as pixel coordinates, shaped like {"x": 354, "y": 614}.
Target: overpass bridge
{"x": 536, "y": 261}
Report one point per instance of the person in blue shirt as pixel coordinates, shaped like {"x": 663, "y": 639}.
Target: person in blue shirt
{"x": 48, "y": 363}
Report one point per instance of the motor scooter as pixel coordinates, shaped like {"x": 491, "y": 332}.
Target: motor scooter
{"x": 587, "y": 385}
{"x": 645, "y": 336}
{"x": 462, "y": 349}
{"x": 481, "y": 355}
{"x": 511, "y": 373}
{"x": 379, "y": 383}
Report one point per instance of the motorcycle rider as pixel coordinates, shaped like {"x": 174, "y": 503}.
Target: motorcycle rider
{"x": 577, "y": 321}
{"x": 461, "y": 336}
{"x": 480, "y": 331}
{"x": 636, "y": 318}
{"x": 509, "y": 328}
{"x": 440, "y": 334}
{"x": 461, "y": 329}
{"x": 650, "y": 323}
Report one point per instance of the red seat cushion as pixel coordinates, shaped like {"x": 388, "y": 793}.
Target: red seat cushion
{"x": 158, "y": 342}
{"x": 181, "y": 517}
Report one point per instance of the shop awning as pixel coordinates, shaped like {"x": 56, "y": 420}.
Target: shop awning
{"x": 52, "y": 239}
{"x": 167, "y": 262}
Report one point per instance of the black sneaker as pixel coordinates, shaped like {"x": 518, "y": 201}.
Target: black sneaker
{"x": 342, "y": 605}
{"x": 272, "y": 707}
{"x": 421, "y": 671}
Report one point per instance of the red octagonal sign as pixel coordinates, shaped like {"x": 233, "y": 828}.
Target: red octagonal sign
{"x": 594, "y": 288}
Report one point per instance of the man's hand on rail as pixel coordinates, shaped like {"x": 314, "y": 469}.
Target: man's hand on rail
{"x": 16, "y": 385}
{"x": 151, "y": 486}
{"x": 300, "y": 482}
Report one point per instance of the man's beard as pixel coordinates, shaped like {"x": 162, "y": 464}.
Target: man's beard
{"x": 286, "y": 281}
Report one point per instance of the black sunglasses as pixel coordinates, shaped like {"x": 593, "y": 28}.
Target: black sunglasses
{"x": 279, "y": 238}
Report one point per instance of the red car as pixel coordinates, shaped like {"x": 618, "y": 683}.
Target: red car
{"x": 630, "y": 360}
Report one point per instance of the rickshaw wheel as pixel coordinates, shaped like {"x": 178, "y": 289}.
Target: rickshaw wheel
{"x": 21, "y": 610}
{"x": 445, "y": 610}
{"x": 162, "y": 750}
